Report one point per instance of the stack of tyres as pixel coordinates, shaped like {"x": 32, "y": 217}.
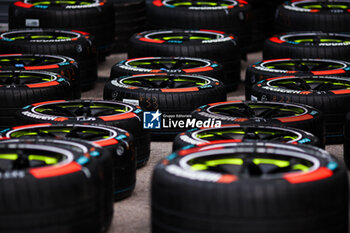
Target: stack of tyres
{"x": 117, "y": 114}
{"x": 208, "y": 44}
{"x": 265, "y": 113}
{"x": 4, "y": 5}
{"x": 297, "y": 67}
{"x": 119, "y": 142}
{"x": 329, "y": 94}
{"x": 55, "y": 42}
{"x": 55, "y": 185}
{"x": 62, "y": 65}
{"x": 229, "y": 16}
{"x": 20, "y": 88}
{"x": 129, "y": 18}
{"x": 170, "y": 94}
{"x": 92, "y": 16}
{"x": 254, "y": 187}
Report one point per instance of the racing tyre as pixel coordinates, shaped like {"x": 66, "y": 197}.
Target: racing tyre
{"x": 168, "y": 93}
{"x": 213, "y": 45}
{"x": 229, "y": 16}
{"x": 314, "y": 15}
{"x": 265, "y": 113}
{"x": 20, "y": 88}
{"x": 308, "y": 45}
{"x": 68, "y": 43}
{"x": 92, "y": 16}
{"x": 288, "y": 66}
{"x": 42, "y": 174}
{"x": 244, "y": 133}
{"x": 330, "y": 95}
{"x": 62, "y": 65}
{"x": 121, "y": 115}
{"x": 119, "y": 142}
{"x": 250, "y": 188}
{"x": 171, "y": 65}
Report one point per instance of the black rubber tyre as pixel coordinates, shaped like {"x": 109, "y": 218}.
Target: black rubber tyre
{"x": 119, "y": 142}
{"x": 230, "y": 16}
{"x": 171, "y": 65}
{"x": 271, "y": 3}
{"x": 314, "y": 15}
{"x": 96, "y": 18}
{"x": 288, "y": 66}
{"x": 265, "y": 113}
{"x": 62, "y": 65}
{"x": 262, "y": 15}
{"x": 20, "y": 88}
{"x": 170, "y": 94}
{"x": 244, "y": 133}
{"x": 121, "y": 115}
{"x": 213, "y": 45}
{"x": 69, "y": 43}
{"x": 129, "y": 18}
{"x": 346, "y": 147}
{"x": 308, "y": 45}
{"x": 330, "y": 95}
{"x": 4, "y": 5}
{"x": 250, "y": 188}
{"x": 47, "y": 174}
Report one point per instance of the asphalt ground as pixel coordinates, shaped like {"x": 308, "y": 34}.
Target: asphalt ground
{"x": 132, "y": 215}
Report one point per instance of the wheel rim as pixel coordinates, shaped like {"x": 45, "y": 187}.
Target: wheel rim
{"x": 61, "y": 2}
{"x": 303, "y": 65}
{"x": 167, "y": 63}
{"x": 184, "y": 36}
{"x": 311, "y": 84}
{"x": 322, "y": 6}
{"x": 19, "y": 61}
{"x": 23, "y": 78}
{"x": 257, "y": 110}
{"x": 248, "y": 134}
{"x": 316, "y": 39}
{"x": 200, "y": 3}
{"x": 25, "y": 158}
{"x": 88, "y": 133}
{"x": 39, "y": 35}
{"x": 83, "y": 109}
{"x": 250, "y": 165}
{"x": 160, "y": 81}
